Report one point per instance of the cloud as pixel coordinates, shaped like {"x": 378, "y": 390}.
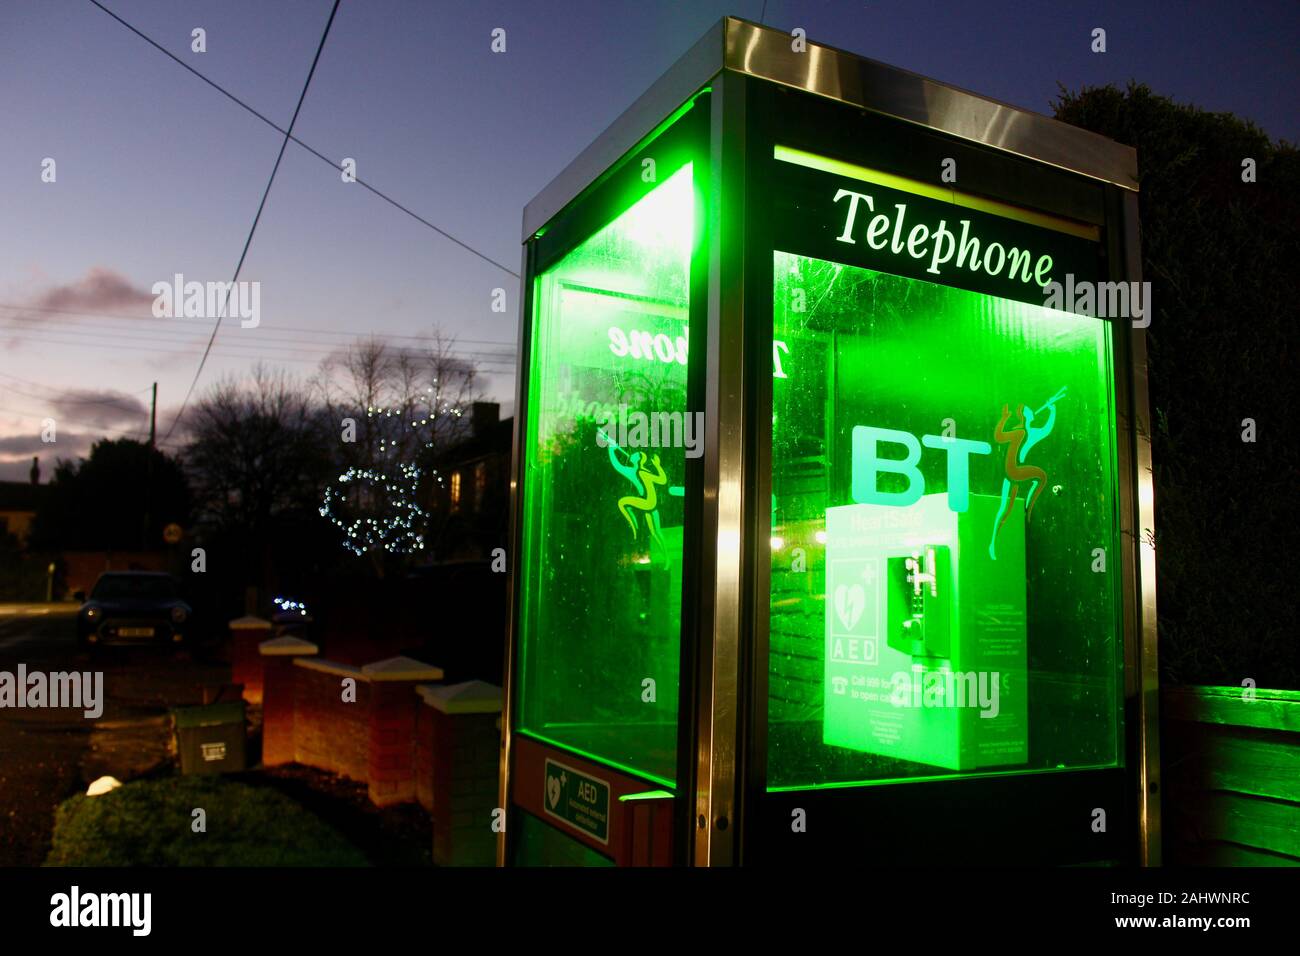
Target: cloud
{"x": 100, "y": 293}
{"x": 16, "y": 450}
{"x": 100, "y": 290}
{"x": 15, "y": 470}
{"x": 102, "y": 408}
{"x": 24, "y": 444}
{"x": 78, "y": 415}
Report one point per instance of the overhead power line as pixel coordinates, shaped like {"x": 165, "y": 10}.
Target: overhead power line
{"x": 315, "y": 152}
{"x": 71, "y": 401}
{"x": 256, "y": 218}
{"x": 57, "y": 400}
{"x": 268, "y": 348}
{"x": 258, "y": 343}
{"x": 227, "y": 352}
{"x": 264, "y": 327}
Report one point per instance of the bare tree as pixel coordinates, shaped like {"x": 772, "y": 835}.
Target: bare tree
{"x": 256, "y": 449}
{"x": 258, "y": 456}
{"x": 406, "y": 403}
{"x": 397, "y": 410}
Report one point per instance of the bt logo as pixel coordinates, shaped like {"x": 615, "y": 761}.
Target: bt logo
{"x": 868, "y": 464}
{"x": 1030, "y": 426}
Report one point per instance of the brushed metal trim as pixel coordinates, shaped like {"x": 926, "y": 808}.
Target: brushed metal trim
{"x": 1148, "y": 796}
{"x": 682, "y": 81}
{"x": 719, "y": 632}
{"x": 518, "y": 438}
{"x": 766, "y": 54}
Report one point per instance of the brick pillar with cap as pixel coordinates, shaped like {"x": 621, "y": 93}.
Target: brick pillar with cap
{"x": 279, "y": 676}
{"x": 466, "y": 747}
{"x": 393, "y": 709}
{"x": 246, "y": 636}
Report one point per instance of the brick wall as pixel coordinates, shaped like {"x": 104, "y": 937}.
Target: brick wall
{"x": 278, "y": 677}
{"x": 464, "y": 788}
{"x": 329, "y": 733}
{"x": 406, "y": 739}
{"x": 83, "y": 568}
{"x": 392, "y": 743}
{"x": 247, "y": 634}
{"x": 461, "y": 749}
{"x": 424, "y": 757}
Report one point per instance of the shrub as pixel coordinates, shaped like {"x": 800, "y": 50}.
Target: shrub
{"x": 1221, "y": 256}
{"x": 148, "y": 823}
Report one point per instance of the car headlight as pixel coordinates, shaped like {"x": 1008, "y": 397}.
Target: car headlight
{"x": 179, "y": 615}
{"x": 92, "y": 613}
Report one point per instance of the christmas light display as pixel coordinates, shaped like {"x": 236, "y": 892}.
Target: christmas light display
{"x": 289, "y": 606}
{"x": 398, "y": 525}
{"x": 395, "y": 522}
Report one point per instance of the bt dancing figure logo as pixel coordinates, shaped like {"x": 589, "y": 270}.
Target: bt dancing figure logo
{"x": 1033, "y": 425}
{"x": 646, "y": 474}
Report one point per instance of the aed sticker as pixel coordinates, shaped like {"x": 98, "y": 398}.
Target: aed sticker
{"x": 579, "y": 800}
{"x": 853, "y": 612}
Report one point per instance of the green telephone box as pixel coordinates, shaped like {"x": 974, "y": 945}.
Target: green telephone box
{"x": 832, "y": 511}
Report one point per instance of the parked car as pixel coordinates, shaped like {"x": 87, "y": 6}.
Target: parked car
{"x": 133, "y": 607}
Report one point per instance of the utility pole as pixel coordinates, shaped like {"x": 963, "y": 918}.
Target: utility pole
{"x": 153, "y": 415}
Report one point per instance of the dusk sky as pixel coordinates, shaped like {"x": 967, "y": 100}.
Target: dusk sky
{"x": 158, "y": 173}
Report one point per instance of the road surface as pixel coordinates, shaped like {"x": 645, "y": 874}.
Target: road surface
{"x": 47, "y": 755}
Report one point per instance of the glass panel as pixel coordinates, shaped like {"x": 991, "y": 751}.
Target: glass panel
{"x": 539, "y": 844}
{"x": 944, "y": 565}
{"x": 606, "y": 451}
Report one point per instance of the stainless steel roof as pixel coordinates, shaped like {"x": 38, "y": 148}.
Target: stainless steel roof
{"x": 765, "y": 53}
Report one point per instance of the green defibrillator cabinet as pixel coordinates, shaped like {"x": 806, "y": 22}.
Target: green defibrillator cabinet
{"x": 832, "y": 513}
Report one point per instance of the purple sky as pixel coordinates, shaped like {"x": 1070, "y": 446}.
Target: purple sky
{"x": 157, "y": 173}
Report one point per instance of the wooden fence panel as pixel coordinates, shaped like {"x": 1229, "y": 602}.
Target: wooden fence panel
{"x": 1231, "y": 767}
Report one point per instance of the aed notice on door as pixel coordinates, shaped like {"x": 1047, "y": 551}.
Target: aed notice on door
{"x": 579, "y": 800}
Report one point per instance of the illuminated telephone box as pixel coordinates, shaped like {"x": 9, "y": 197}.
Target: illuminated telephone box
{"x": 832, "y": 510}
